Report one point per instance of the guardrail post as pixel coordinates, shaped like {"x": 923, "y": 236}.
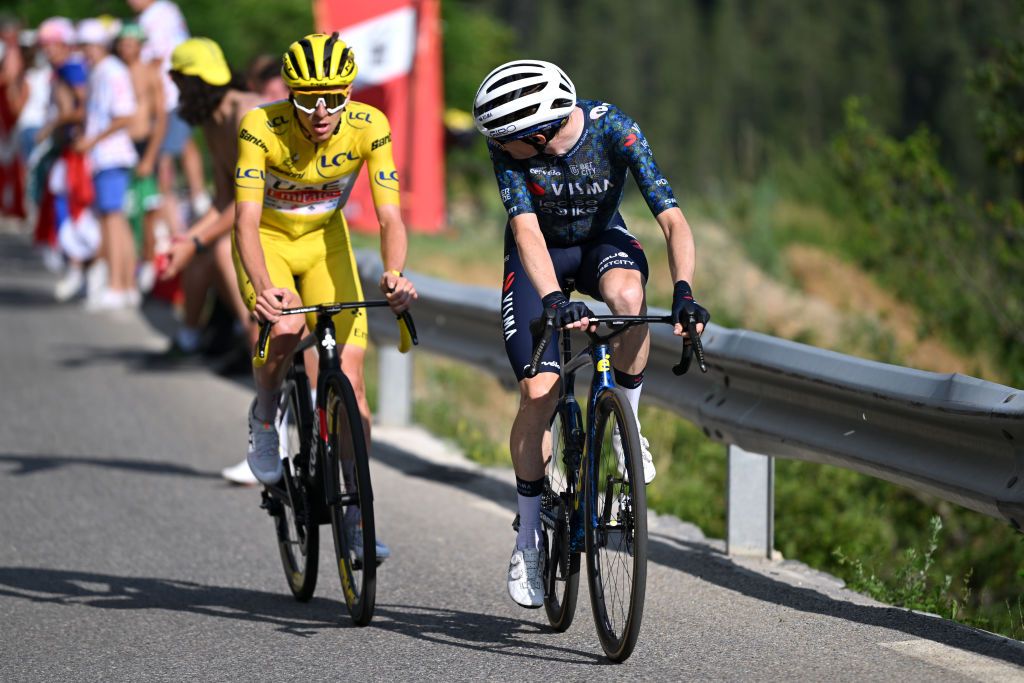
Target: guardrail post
{"x": 394, "y": 391}
{"x": 751, "y": 504}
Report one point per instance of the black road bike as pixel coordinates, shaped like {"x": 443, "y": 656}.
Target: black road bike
{"x": 326, "y": 466}
{"x": 594, "y": 496}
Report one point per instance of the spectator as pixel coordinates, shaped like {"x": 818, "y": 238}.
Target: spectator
{"x": 38, "y": 74}
{"x": 147, "y": 131}
{"x": 109, "y": 109}
{"x": 208, "y": 98}
{"x": 264, "y": 77}
{"x": 13, "y": 95}
{"x": 164, "y": 27}
{"x": 64, "y": 117}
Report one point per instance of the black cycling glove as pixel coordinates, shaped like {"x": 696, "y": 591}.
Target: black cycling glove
{"x": 563, "y": 311}
{"x": 683, "y": 305}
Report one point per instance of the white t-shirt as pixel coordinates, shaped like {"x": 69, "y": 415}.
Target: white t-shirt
{"x": 33, "y": 115}
{"x": 110, "y": 95}
{"x": 165, "y": 29}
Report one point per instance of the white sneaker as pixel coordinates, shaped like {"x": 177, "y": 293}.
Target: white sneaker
{"x": 107, "y": 300}
{"x": 354, "y": 535}
{"x": 645, "y": 449}
{"x": 240, "y": 474}
{"x": 146, "y": 277}
{"x": 70, "y": 286}
{"x": 526, "y": 577}
{"x": 264, "y": 456}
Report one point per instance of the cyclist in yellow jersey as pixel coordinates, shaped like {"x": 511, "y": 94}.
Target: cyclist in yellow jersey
{"x": 297, "y": 162}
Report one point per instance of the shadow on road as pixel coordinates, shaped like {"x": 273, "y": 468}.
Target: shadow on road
{"x": 714, "y": 567}
{"x": 481, "y": 632}
{"x": 474, "y": 631}
{"x": 34, "y": 464}
{"x": 104, "y": 591}
{"x": 711, "y": 565}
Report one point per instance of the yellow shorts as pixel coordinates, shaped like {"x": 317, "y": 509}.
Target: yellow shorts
{"x": 321, "y": 267}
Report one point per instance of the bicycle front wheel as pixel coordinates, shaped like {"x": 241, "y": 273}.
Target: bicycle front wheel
{"x": 350, "y": 499}
{"x": 298, "y": 534}
{"x": 616, "y": 526}
{"x": 562, "y": 579}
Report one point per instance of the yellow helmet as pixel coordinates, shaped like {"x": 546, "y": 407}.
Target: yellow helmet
{"x": 318, "y": 62}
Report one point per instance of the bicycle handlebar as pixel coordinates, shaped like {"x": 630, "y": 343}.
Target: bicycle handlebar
{"x": 406, "y": 327}
{"x": 542, "y": 330}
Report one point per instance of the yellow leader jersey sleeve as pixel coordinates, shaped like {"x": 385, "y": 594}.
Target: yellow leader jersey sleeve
{"x": 302, "y": 185}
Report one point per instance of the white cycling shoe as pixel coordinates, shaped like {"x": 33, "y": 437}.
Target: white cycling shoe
{"x": 240, "y": 474}
{"x": 645, "y": 450}
{"x": 526, "y": 577}
{"x": 264, "y": 456}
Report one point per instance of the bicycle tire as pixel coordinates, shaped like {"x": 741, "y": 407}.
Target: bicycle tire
{"x": 298, "y": 533}
{"x": 616, "y": 528}
{"x": 562, "y": 576}
{"x": 350, "y": 497}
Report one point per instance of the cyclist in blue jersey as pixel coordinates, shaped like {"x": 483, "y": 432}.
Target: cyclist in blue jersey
{"x": 561, "y": 167}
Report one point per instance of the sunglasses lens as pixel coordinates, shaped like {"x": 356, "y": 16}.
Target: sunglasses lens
{"x": 332, "y": 101}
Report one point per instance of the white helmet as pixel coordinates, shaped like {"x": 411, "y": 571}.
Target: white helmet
{"x": 521, "y": 97}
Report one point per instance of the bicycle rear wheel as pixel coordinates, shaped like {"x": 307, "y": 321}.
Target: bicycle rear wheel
{"x": 298, "y": 534}
{"x": 616, "y": 527}
{"x": 350, "y": 499}
{"x": 561, "y": 583}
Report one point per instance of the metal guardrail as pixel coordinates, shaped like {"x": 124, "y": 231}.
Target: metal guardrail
{"x": 952, "y": 436}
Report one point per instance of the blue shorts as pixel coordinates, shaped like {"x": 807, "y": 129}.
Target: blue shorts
{"x": 580, "y": 265}
{"x": 111, "y": 188}
{"x": 178, "y": 132}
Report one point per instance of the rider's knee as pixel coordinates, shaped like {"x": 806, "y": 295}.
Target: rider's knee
{"x": 539, "y": 391}
{"x": 287, "y": 329}
{"x": 627, "y": 299}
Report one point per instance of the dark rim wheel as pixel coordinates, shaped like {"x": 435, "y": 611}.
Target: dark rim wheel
{"x": 298, "y": 534}
{"x": 561, "y": 582}
{"x": 616, "y": 528}
{"x": 350, "y": 500}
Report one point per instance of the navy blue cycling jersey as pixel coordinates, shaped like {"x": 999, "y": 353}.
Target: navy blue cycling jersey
{"x": 576, "y": 195}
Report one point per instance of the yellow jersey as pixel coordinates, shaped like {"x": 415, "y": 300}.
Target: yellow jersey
{"x": 303, "y": 185}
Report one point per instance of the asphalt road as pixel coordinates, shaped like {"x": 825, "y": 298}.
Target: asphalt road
{"x": 124, "y": 556}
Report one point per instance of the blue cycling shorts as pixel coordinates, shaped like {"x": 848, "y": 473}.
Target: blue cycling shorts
{"x": 582, "y": 265}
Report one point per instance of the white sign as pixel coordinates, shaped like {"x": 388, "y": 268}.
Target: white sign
{"x": 384, "y": 46}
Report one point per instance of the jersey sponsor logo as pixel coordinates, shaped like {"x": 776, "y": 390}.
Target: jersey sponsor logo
{"x": 535, "y": 189}
{"x": 388, "y": 181}
{"x": 337, "y": 160}
{"x": 303, "y": 196}
{"x": 249, "y": 174}
{"x": 661, "y": 182}
{"x": 359, "y": 116}
{"x": 245, "y": 135}
{"x": 508, "y": 281}
{"x": 380, "y": 142}
{"x": 277, "y": 121}
{"x": 636, "y": 245}
{"x": 545, "y": 171}
{"x": 506, "y": 194}
{"x": 630, "y": 140}
{"x": 586, "y": 168}
{"x": 508, "y": 319}
{"x": 572, "y": 189}
{"x": 598, "y": 111}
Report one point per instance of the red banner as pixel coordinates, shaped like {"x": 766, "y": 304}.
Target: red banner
{"x": 397, "y": 45}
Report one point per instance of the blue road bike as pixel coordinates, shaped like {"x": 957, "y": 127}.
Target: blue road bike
{"x": 594, "y": 498}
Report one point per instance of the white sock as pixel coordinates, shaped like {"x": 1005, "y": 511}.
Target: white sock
{"x": 634, "y": 401}
{"x": 529, "y": 522}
